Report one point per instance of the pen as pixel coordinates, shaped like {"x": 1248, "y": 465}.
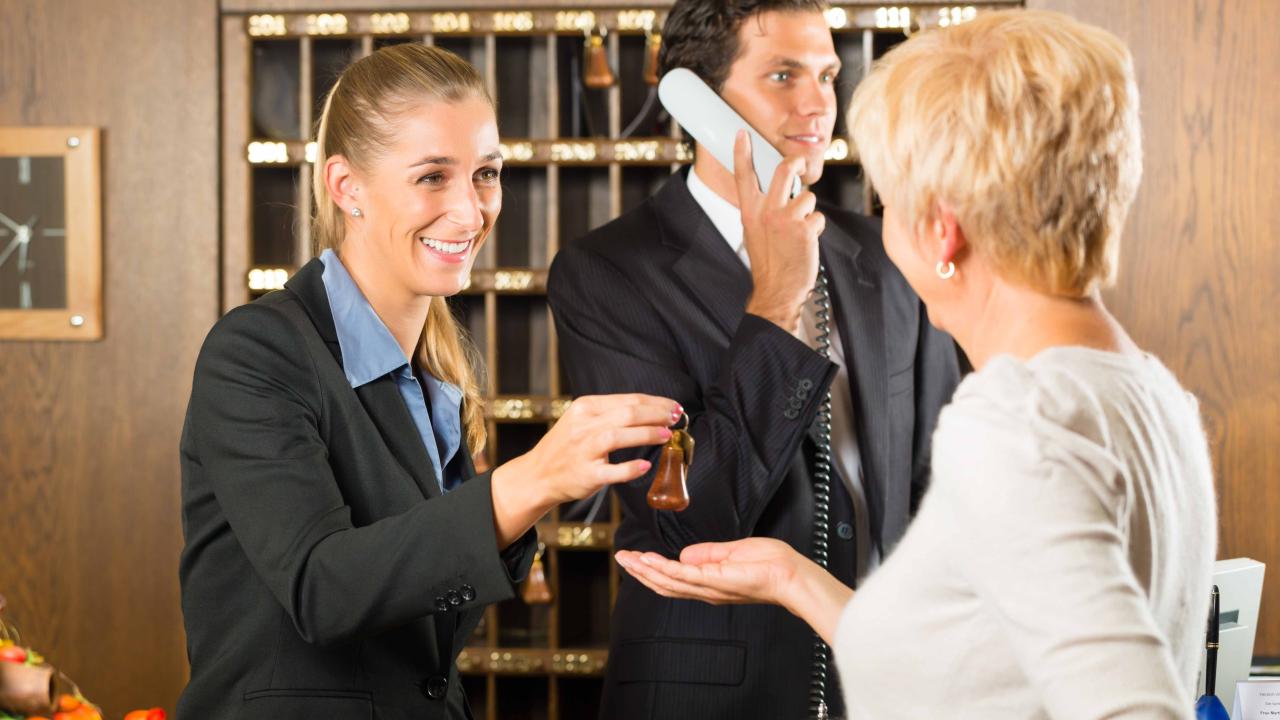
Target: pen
{"x": 1211, "y": 646}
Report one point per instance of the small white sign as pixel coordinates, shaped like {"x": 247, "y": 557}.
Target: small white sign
{"x": 1259, "y": 700}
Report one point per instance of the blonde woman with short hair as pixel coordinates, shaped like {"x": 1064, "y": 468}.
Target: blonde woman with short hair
{"x": 1060, "y": 564}
{"x": 340, "y": 547}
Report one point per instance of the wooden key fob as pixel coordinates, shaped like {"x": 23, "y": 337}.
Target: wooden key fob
{"x": 669, "y": 491}
{"x": 535, "y": 590}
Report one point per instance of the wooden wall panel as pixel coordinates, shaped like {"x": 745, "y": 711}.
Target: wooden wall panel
{"x": 89, "y": 481}
{"x": 1199, "y": 280}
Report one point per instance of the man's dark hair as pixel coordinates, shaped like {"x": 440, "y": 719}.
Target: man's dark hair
{"x": 702, "y": 35}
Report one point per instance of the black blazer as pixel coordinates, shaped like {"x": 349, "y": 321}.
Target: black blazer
{"x": 324, "y": 575}
{"x": 654, "y": 302}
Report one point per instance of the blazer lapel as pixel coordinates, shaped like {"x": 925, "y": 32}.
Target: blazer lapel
{"x": 381, "y": 398}
{"x": 859, "y": 311}
{"x": 308, "y": 285}
{"x": 714, "y": 275}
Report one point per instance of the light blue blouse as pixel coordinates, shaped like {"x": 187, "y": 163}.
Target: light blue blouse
{"x": 370, "y": 351}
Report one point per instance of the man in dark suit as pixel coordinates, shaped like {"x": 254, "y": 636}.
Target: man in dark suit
{"x": 702, "y": 294}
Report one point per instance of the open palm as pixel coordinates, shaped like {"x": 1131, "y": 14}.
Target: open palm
{"x": 754, "y": 570}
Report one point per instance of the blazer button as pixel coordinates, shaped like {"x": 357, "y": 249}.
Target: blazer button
{"x": 468, "y": 593}
{"x": 435, "y": 687}
{"x": 454, "y": 598}
{"x": 845, "y": 531}
{"x": 796, "y": 403}
{"x": 806, "y": 384}
{"x": 790, "y": 414}
{"x": 442, "y": 605}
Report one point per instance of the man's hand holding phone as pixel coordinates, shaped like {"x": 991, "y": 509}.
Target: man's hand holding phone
{"x": 781, "y": 237}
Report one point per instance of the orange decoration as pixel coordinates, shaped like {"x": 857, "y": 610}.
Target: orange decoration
{"x": 13, "y": 654}
{"x": 27, "y": 683}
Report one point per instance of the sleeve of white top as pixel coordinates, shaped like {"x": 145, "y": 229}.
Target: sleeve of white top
{"x": 1036, "y": 516}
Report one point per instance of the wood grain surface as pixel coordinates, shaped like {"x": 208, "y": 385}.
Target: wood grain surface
{"x": 89, "y": 484}
{"x": 1199, "y": 279}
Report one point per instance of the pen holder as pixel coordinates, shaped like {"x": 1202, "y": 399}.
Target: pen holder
{"x": 1209, "y": 707}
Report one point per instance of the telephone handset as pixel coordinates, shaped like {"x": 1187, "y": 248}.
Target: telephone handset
{"x": 715, "y": 125}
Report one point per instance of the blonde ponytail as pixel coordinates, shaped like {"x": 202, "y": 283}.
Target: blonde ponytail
{"x": 448, "y": 353}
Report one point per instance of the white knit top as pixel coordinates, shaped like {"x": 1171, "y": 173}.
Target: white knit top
{"x": 1060, "y": 564}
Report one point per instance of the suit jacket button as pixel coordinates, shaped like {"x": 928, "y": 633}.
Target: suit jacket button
{"x": 845, "y": 531}
{"x": 442, "y": 605}
{"x": 806, "y": 384}
{"x": 790, "y": 414}
{"x": 435, "y": 687}
{"x": 454, "y": 598}
{"x": 468, "y": 593}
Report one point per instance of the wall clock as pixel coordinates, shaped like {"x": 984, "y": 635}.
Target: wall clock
{"x": 50, "y": 234}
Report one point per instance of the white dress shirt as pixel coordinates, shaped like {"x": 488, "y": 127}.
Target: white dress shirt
{"x": 844, "y": 439}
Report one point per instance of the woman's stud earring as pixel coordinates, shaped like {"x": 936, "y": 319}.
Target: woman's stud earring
{"x": 355, "y": 212}
{"x": 945, "y": 271}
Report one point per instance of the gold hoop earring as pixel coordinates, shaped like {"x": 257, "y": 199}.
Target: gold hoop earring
{"x": 945, "y": 271}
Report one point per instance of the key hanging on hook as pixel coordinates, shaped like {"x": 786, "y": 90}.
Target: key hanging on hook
{"x": 535, "y": 590}
{"x": 652, "y": 46}
{"x": 596, "y": 73}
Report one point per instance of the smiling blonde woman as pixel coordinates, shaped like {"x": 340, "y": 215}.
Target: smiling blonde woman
{"x": 340, "y": 546}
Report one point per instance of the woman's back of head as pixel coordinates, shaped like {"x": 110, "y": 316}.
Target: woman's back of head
{"x": 1025, "y": 124}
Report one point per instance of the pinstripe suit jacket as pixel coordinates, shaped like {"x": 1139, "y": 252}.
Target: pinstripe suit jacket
{"x": 654, "y": 302}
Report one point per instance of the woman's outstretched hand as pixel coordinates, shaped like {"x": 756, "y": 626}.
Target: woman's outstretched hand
{"x": 753, "y": 570}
